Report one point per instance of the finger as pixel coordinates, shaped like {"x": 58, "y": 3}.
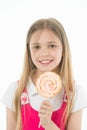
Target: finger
{"x": 46, "y": 102}
{"x": 46, "y": 115}
{"x": 46, "y": 105}
{"x": 47, "y": 112}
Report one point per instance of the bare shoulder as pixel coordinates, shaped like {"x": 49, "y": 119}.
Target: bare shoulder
{"x": 75, "y": 120}
{"x": 10, "y": 119}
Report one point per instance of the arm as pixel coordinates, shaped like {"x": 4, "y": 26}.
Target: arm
{"x": 10, "y": 119}
{"x": 75, "y": 119}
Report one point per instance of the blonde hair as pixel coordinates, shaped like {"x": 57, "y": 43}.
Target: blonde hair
{"x": 65, "y": 70}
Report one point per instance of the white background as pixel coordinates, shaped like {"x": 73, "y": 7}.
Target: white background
{"x": 15, "y": 18}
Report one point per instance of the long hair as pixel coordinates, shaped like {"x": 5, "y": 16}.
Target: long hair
{"x": 65, "y": 66}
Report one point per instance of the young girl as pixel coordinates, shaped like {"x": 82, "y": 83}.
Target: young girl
{"x": 47, "y": 49}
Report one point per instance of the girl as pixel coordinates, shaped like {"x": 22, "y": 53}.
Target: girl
{"x": 47, "y": 49}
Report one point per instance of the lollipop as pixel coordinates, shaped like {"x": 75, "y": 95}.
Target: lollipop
{"x": 49, "y": 84}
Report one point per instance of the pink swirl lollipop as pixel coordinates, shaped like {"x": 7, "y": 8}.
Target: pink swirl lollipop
{"x": 49, "y": 84}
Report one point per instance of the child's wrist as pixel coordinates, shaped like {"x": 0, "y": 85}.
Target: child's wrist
{"x": 52, "y": 126}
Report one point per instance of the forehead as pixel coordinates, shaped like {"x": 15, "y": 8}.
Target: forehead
{"x": 44, "y": 34}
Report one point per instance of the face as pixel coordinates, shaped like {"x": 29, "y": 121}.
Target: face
{"x": 46, "y": 50}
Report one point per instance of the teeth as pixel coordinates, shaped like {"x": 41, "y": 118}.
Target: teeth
{"x": 46, "y": 61}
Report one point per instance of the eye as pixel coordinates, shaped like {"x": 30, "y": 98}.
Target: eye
{"x": 36, "y": 47}
{"x": 52, "y": 46}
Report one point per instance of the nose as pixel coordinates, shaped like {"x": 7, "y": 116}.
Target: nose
{"x": 44, "y": 52}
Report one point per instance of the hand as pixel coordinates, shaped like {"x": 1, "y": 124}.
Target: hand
{"x": 45, "y": 113}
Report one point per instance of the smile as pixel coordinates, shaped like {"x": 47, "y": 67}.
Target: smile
{"x": 45, "y": 62}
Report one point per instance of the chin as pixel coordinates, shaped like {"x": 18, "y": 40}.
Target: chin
{"x": 47, "y": 70}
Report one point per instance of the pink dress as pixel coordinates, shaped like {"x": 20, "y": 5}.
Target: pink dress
{"x": 30, "y": 119}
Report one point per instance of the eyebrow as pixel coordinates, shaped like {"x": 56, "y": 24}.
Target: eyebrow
{"x": 49, "y": 42}
{"x": 35, "y": 43}
{"x": 52, "y": 42}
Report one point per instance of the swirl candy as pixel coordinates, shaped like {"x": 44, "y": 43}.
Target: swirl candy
{"x": 49, "y": 84}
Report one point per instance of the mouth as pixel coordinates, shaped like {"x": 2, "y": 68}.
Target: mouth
{"x": 45, "y": 62}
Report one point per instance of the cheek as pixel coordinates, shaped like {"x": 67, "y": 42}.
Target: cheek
{"x": 33, "y": 55}
{"x": 57, "y": 54}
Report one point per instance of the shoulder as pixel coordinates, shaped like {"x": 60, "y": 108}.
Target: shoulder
{"x": 80, "y": 99}
{"x": 74, "y": 122}
{"x": 7, "y": 98}
{"x": 11, "y": 88}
